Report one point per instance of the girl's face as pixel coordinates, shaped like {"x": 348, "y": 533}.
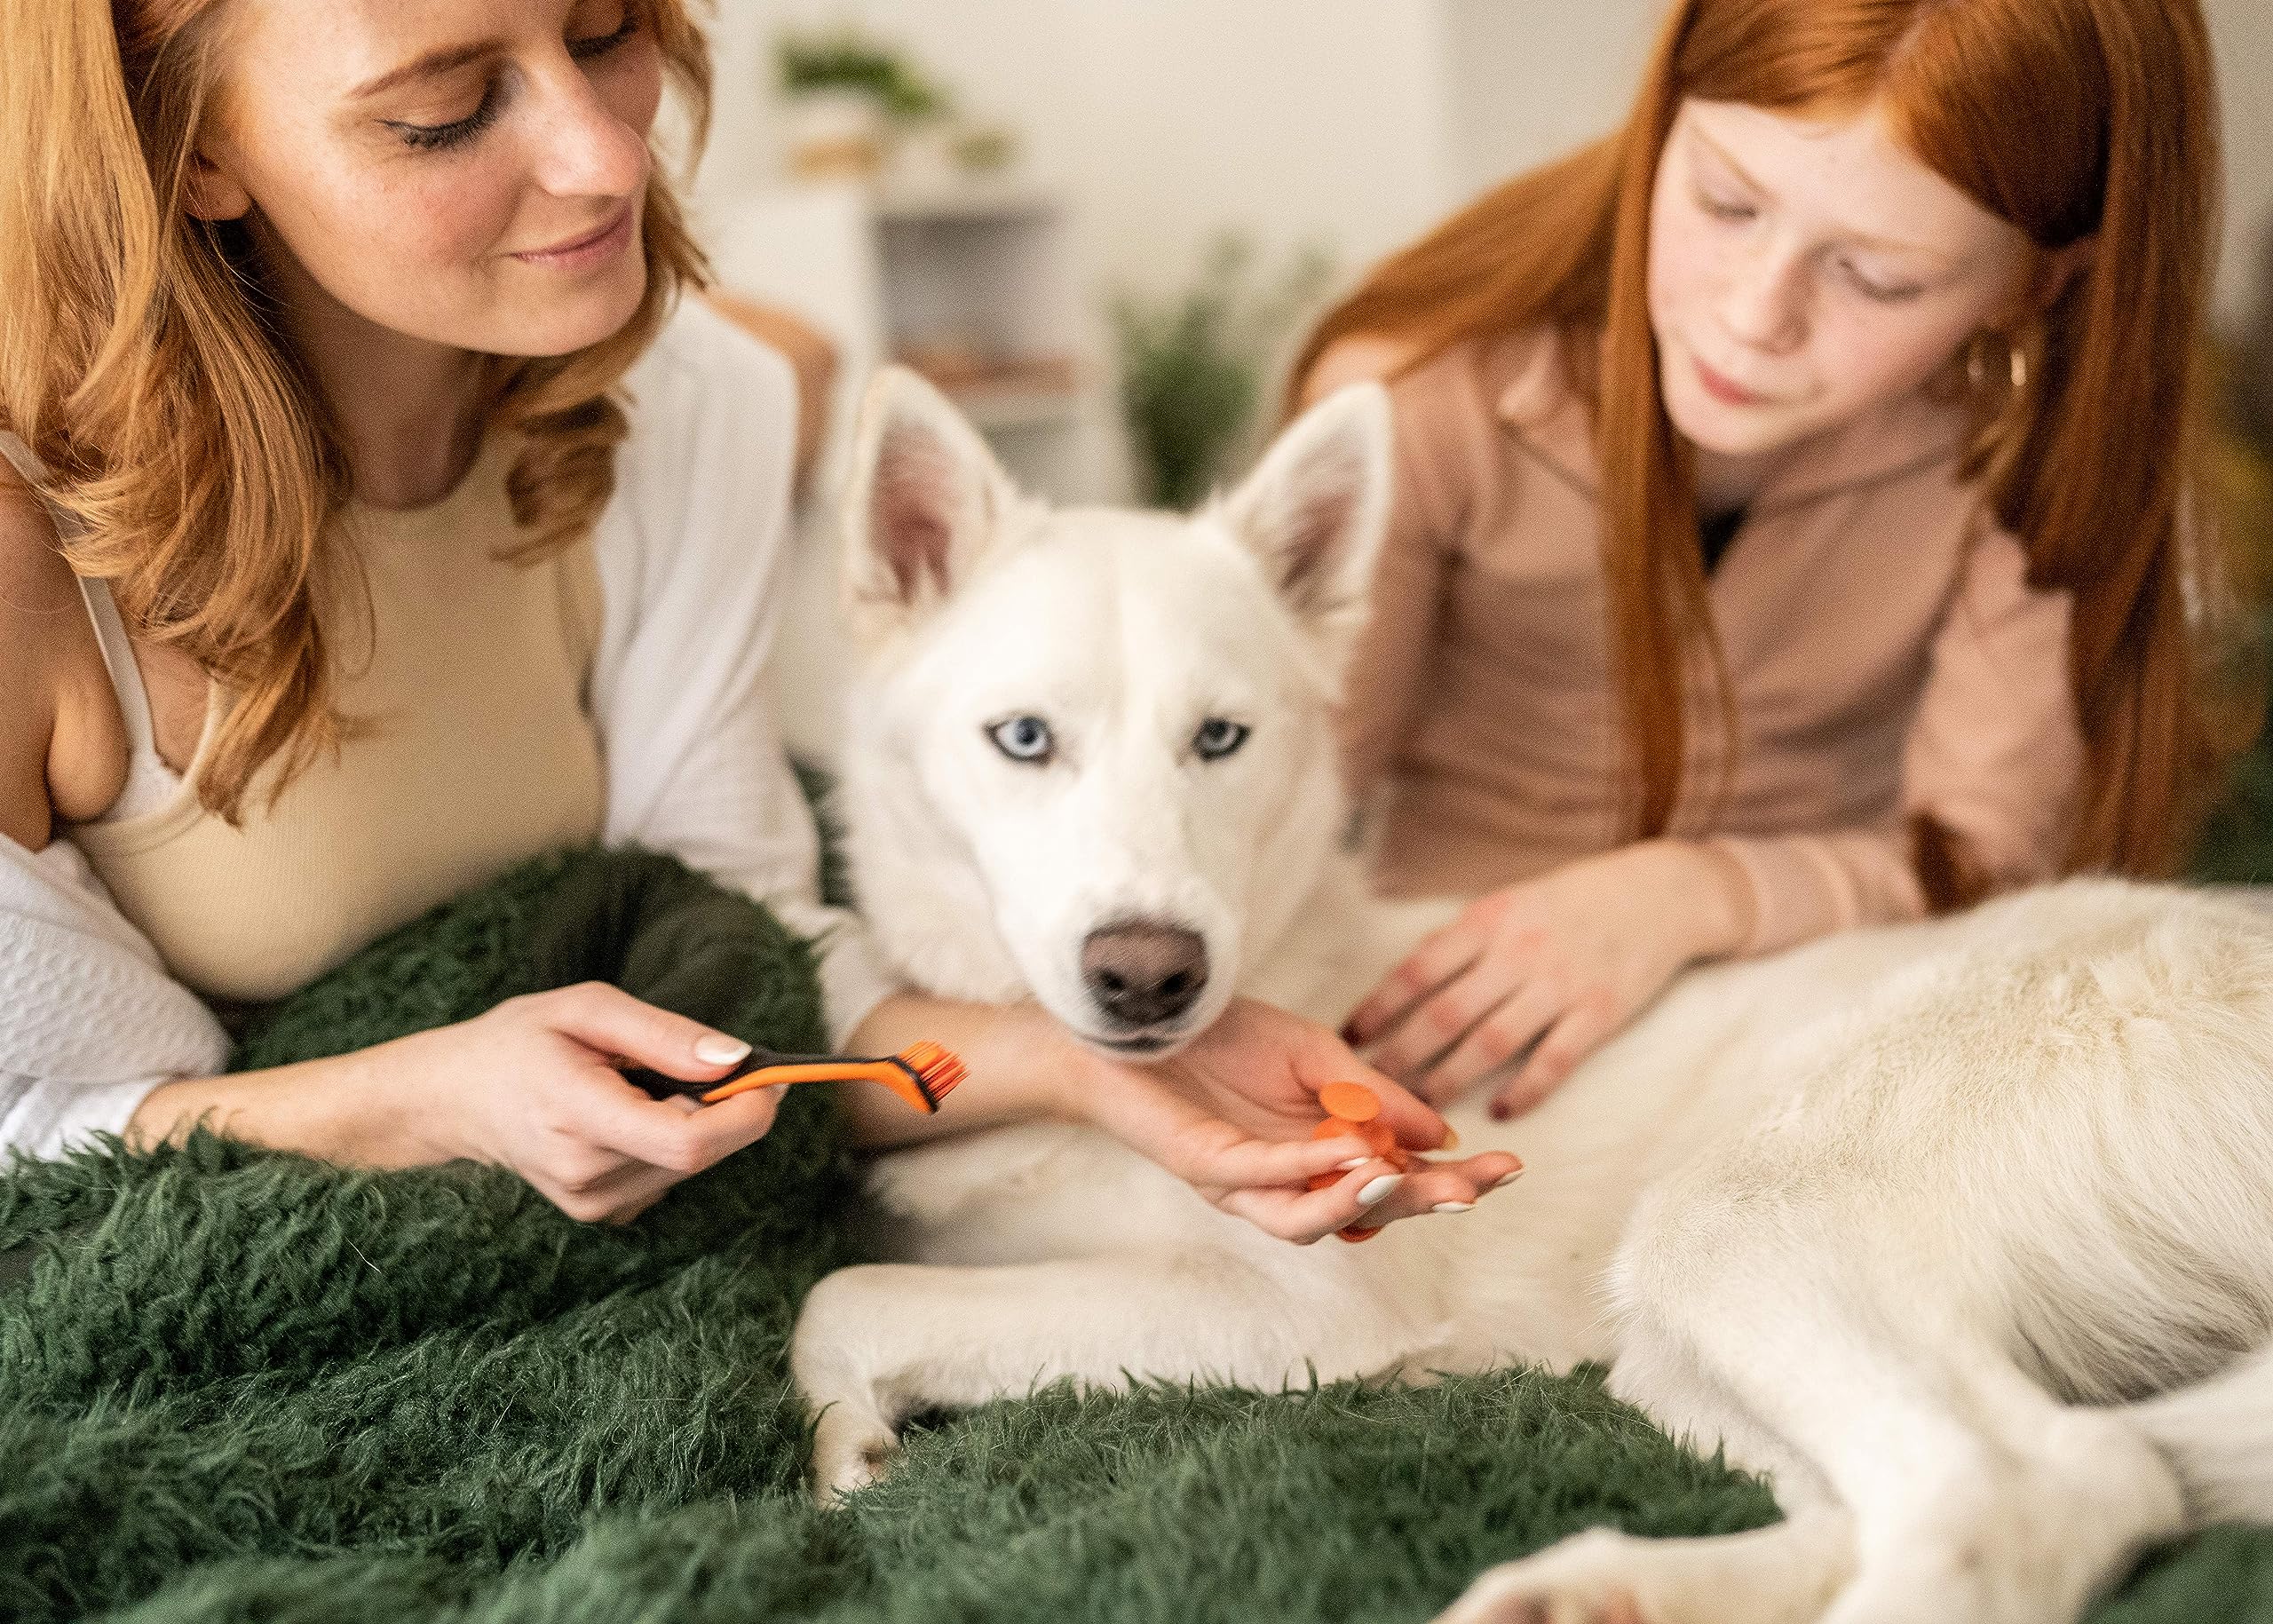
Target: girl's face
{"x": 467, "y": 172}
{"x": 1802, "y": 273}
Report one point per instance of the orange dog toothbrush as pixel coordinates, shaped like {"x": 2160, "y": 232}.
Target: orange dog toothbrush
{"x": 922, "y": 1074}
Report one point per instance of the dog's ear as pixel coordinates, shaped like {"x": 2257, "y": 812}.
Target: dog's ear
{"x": 1315, "y": 510}
{"x": 927, "y": 499}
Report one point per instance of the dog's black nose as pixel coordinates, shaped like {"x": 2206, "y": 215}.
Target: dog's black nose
{"x": 1141, "y": 973}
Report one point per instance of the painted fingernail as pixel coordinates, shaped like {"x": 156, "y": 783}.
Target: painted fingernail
{"x": 1451, "y": 1138}
{"x": 717, "y": 1048}
{"x": 1453, "y": 1206}
{"x": 1380, "y": 1189}
{"x": 1353, "y": 1164}
{"x": 1507, "y": 1177}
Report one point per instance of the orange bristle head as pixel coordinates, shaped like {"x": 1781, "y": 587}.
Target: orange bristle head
{"x": 938, "y": 1068}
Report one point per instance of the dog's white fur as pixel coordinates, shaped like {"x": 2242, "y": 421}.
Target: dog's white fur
{"x": 1961, "y": 1232}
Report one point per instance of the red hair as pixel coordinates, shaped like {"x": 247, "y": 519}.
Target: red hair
{"x": 2070, "y": 119}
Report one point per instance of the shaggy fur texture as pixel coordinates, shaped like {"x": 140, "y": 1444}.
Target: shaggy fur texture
{"x": 244, "y": 1386}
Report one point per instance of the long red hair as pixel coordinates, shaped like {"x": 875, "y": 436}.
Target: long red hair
{"x": 2072, "y": 119}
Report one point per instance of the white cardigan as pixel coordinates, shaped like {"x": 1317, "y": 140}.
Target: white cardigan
{"x": 690, "y": 553}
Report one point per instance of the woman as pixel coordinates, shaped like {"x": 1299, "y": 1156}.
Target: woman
{"x": 314, "y": 318}
{"x": 1790, "y": 528}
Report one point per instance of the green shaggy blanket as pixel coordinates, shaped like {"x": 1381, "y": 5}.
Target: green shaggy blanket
{"x": 246, "y": 1386}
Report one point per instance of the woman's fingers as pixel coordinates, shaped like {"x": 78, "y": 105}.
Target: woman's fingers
{"x": 1443, "y": 1187}
{"x": 1304, "y": 1215}
{"x": 663, "y": 1133}
{"x": 1370, "y": 1195}
{"x": 619, "y": 1151}
{"x": 1237, "y": 1162}
{"x": 611, "y": 1021}
{"x": 1578, "y": 1032}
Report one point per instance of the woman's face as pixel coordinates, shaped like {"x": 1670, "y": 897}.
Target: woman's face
{"x": 1802, "y": 273}
{"x": 467, "y": 172}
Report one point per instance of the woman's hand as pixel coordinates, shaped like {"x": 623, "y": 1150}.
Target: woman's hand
{"x": 1554, "y": 965}
{"x": 1232, "y": 1113}
{"x": 531, "y": 1086}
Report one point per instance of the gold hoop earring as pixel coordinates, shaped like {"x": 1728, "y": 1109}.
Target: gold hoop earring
{"x": 1977, "y": 369}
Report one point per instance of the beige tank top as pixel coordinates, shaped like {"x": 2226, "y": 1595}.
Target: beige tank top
{"x": 477, "y": 749}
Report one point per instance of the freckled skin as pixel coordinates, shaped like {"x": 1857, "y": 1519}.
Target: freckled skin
{"x": 1773, "y": 243}
{"x": 422, "y": 241}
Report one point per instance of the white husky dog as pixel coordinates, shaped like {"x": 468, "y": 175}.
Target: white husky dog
{"x": 1961, "y": 1233}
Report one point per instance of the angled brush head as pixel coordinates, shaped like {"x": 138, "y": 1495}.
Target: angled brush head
{"x": 931, "y": 1072}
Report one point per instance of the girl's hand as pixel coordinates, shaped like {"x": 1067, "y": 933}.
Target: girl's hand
{"x": 1232, "y": 1113}
{"x": 532, "y": 1086}
{"x": 1554, "y": 965}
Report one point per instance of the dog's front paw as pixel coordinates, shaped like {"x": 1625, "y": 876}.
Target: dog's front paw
{"x": 852, "y": 1449}
{"x": 1577, "y": 1581}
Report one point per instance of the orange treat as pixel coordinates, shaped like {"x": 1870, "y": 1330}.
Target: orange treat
{"x": 1355, "y": 1110}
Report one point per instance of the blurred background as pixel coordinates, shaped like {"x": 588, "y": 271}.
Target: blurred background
{"x": 1099, "y": 223}
{"x": 1039, "y": 200}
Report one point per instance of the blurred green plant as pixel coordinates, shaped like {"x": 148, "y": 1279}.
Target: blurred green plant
{"x": 847, "y": 59}
{"x": 1193, "y": 365}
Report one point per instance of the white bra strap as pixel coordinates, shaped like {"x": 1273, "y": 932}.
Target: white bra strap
{"x": 19, "y": 456}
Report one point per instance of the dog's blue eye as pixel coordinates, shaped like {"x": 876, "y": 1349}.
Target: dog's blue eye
{"x": 1027, "y": 738}
{"x": 1218, "y": 738}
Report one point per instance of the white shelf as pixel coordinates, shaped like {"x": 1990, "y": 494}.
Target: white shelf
{"x": 976, "y": 203}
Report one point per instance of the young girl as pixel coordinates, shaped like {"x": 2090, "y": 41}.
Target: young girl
{"x": 339, "y": 575}
{"x": 1791, "y": 527}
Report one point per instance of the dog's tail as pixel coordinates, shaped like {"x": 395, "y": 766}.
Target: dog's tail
{"x": 2218, "y": 1436}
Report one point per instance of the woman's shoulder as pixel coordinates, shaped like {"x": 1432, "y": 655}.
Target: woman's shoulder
{"x": 35, "y": 580}
{"x": 702, "y": 364}
{"x": 37, "y": 592}
{"x": 713, "y": 425}
{"x": 702, "y": 479}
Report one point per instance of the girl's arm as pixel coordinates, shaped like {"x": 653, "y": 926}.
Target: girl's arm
{"x": 1556, "y": 964}
{"x": 1993, "y": 757}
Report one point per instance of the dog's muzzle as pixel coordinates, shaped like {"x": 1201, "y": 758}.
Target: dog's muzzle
{"x": 1143, "y": 972}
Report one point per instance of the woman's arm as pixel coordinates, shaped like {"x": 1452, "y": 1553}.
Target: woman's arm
{"x": 532, "y": 1085}
{"x": 1231, "y": 1114}
{"x": 89, "y": 1024}
{"x": 1993, "y": 758}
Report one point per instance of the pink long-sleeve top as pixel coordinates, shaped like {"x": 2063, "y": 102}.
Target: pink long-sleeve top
{"x": 1887, "y": 654}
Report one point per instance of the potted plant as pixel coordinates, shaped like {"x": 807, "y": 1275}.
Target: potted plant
{"x": 846, "y": 96}
{"x": 1193, "y": 365}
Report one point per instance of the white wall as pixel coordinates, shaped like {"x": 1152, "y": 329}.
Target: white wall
{"x": 1166, "y": 120}
{"x": 2241, "y": 33}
